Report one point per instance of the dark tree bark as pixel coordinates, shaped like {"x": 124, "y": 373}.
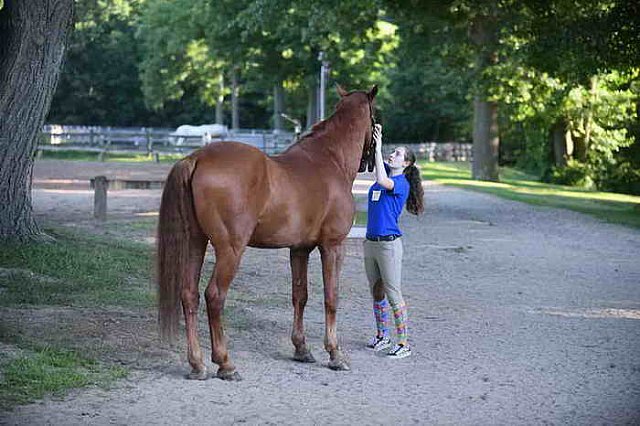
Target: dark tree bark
{"x": 562, "y": 143}
{"x": 33, "y": 36}
{"x": 486, "y": 143}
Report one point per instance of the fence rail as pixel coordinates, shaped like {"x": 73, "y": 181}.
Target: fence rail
{"x": 162, "y": 141}
{"x": 442, "y": 151}
{"x": 151, "y": 140}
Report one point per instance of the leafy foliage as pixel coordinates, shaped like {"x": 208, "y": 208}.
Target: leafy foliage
{"x": 568, "y": 61}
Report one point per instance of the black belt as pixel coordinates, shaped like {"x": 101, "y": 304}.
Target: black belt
{"x": 383, "y": 237}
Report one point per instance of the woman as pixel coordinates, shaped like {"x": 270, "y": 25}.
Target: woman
{"x": 397, "y": 184}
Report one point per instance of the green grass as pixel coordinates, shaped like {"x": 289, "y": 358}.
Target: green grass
{"x": 361, "y": 218}
{"x": 76, "y": 270}
{"x": 94, "y": 156}
{"x": 48, "y": 371}
{"x": 142, "y": 226}
{"x": 516, "y": 185}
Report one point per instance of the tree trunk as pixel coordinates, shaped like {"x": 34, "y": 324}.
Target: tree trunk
{"x": 33, "y": 34}
{"x": 485, "y": 140}
{"x": 562, "y": 143}
{"x": 436, "y": 131}
{"x": 278, "y": 105}
{"x": 486, "y": 143}
{"x": 312, "y": 104}
{"x": 588, "y": 125}
{"x": 220, "y": 101}
{"x": 235, "y": 118}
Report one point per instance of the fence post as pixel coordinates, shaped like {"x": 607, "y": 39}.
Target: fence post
{"x": 100, "y": 184}
{"x": 147, "y": 135}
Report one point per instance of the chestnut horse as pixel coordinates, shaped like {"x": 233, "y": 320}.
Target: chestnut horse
{"x": 233, "y": 196}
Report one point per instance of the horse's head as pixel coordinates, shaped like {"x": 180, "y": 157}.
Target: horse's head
{"x": 367, "y": 161}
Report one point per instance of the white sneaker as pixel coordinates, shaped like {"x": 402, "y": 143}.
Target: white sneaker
{"x": 378, "y": 343}
{"x": 399, "y": 351}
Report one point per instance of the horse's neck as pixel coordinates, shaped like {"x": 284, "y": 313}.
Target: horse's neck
{"x": 340, "y": 141}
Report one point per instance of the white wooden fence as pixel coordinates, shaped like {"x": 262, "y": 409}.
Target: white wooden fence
{"x": 158, "y": 141}
{"x": 150, "y": 140}
{"x": 441, "y": 151}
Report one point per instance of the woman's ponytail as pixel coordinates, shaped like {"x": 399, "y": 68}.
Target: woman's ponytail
{"x": 415, "y": 202}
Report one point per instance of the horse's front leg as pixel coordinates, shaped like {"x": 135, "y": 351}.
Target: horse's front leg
{"x": 299, "y": 262}
{"x": 332, "y": 257}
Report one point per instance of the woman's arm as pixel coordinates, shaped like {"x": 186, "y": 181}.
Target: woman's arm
{"x": 381, "y": 173}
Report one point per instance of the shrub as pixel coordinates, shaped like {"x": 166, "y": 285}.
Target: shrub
{"x": 622, "y": 178}
{"x": 573, "y": 174}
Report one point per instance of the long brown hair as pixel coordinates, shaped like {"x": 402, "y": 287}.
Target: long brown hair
{"x": 415, "y": 202}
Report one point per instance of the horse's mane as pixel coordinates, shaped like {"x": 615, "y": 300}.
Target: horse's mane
{"x": 323, "y": 127}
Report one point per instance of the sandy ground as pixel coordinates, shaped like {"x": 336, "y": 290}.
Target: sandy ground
{"x": 518, "y": 315}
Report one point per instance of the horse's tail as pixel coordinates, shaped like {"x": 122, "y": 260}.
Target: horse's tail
{"x": 176, "y": 225}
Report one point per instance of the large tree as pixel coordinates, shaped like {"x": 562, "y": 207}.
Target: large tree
{"x": 89, "y": 92}
{"x": 481, "y": 21}
{"x": 570, "y": 89}
{"x": 270, "y": 46}
{"x": 33, "y": 34}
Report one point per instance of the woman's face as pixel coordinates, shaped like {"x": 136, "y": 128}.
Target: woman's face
{"x": 397, "y": 158}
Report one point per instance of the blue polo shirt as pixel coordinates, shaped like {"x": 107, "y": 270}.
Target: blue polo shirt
{"x": 385, "y": 207}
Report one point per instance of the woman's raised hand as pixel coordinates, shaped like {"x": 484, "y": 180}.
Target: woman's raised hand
{"x": 377, "y": 136}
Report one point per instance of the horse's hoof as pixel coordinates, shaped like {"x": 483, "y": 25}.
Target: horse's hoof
{"x": 304, "y": 357}
{"x": 197, "y": 374}
{"x": 339, "y": 365}
{"x": 231, "y": 376}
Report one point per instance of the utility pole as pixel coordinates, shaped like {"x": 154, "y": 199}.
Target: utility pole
{"x": 324, "y": 68}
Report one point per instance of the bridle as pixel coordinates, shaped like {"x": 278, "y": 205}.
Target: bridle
{"x": 368, "y": 160}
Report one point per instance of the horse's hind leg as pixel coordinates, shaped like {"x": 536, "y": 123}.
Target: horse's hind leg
{"x": 190, "y": 302}
{"x": 227, "y": 261}
{"x": 299, "y": 263}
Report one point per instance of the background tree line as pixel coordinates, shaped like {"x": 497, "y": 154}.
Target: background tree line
{"x": 551, "y": 86}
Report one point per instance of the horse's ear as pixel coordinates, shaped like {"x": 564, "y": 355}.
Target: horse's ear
{"x": 374, "y": 91}
{"x": 341, "y": 91}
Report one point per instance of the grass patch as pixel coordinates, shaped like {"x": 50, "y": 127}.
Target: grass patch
{"x": 516, "y": 185}
{"x": 48, "y": 371}
{"x": 146, "y": 225}
{"x": 361, "y": 218}
{"x": 115, "y": 157}
{"x": 76, "y": 270}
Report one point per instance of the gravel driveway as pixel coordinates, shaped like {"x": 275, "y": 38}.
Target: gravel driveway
{"x": 517, "y": 315}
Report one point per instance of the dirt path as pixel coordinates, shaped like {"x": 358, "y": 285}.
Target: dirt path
{"x": 518, "y": 315}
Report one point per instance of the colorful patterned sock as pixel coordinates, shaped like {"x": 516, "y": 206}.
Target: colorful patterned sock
{"x": 400, "y": 318}
{"x": 381, "y": 313}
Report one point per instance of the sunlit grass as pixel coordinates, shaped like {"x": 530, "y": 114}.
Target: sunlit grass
{"x": 519, "y": 186}
{"x": 361, "y": 218}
